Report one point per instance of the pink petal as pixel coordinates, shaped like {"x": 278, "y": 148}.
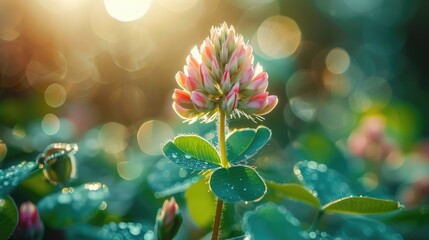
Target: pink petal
{"x": 181, "y": 79}
{"x": 271, "y": 103}
{"x": 183, "y": 112}
{"x": 201, "y": 102}
{"x": 182, "y": 98}
{"x": 208, "y": 81}
{"x": 259, "y": 83}
{"x": 258, "y": 101}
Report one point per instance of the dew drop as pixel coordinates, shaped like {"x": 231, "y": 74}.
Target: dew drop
{"x": 122, "y": 225}
{"x": 174, "y": 155}
{"x": 187, "y": 156}
{"x": 64, "y": 198}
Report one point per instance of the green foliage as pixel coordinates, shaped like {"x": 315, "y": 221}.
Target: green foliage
{"x": 112, "y": 230}
{"x": 237, "y": 183}
{"x": 192, "y": 152}
{"x": 168, "y": 178}
{"x": 12, "y": 176}
{"x": 361, "y": 205}
{"x": 271, "y": 222}
{"x": 8, "y": 217}
{"x": 296, "y": 192}
{"x": 326, "y": 184}
{"x": 244, "y": 143}
{"x": 126, "y": 231}
{"x": 200, "y": 204}
{"x": 72, "y": 205}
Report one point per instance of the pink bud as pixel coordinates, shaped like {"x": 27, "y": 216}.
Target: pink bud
{"x": 271, "y": 103}
{"x": 208, "y": 81}
{"x": 206, "y": 52}
{"x": 201, "y": 102}
{"x": 248, "y": 73}
{"x": 258, "y": 101}
{"x": 184, "y": 113}
{"x": 233, "y": 62}
{"x": 215, "y": 68}
{"x": 182, "y": 98}
{"x": 30, "y": 225}
{"x": 226, "y": 81}
{"x": 259, "y": 83}
{"x": 192, "y": 84}
{"x": 223, "y": 53}
{"x": 231, "y": 101}
{"x": 168, "y": 220}
{"x": 181, "y": 79}
{"x": 192, "y": 69}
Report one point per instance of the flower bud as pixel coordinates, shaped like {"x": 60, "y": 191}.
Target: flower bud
{"x": 30, "y": 225}
{"x": 168, "y": 220}
{"x": 182, "y": 98}
{"x": 201, "y": 101}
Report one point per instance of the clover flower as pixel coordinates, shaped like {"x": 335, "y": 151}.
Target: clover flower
{"x": 222, "y": 75}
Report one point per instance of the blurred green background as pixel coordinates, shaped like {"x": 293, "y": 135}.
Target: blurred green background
{"x": 349, "y": 75}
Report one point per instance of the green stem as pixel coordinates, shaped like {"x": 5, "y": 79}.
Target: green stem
{"x": 221, "y": 134}
{"x": 317, "y": 220}
{"x": 218, "y": 216}
{"x": 224, "y": 163}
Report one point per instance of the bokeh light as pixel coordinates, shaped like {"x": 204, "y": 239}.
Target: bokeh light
{"x": 178, "y": 5}
{"x": 113, "y": 137}
{"x": 129, "y": 170}
{"x": 279, "y": 36}
{"x": 127, "y": 10}
{"x": 152, "y": 134}
{"x": 55, "y": 95}
{"x": 337, "y": 61}
{"x": 51, "y": 124}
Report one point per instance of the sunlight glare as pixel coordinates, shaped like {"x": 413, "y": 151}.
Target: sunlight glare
{"x": 127, "y": 10}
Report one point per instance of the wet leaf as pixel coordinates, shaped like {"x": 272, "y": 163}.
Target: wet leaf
{"x": 361, "y": 205}
{"x": 271, "y": 222}
{"x": 192, "y": 152}
{"x": 326, "y": 184}
{"x": 168, "y": 178}
{"x": 364, "y": 228}
{"x": 316, "y": 235}
{"x": 242, "y": 144}
{"x": 112, "y": 230}
{"x": 8, "y": 217}
{"x": 237, "y": 183}
{"x": 72, "y": 205}
{"x": 126, "y": 231}
{"x": 200, "y": 204}
{"x": 296, "y": 192}
{"x": 12, "y": 176}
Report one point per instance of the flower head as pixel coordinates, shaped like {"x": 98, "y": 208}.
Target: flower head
{"x": 221, "y": 74}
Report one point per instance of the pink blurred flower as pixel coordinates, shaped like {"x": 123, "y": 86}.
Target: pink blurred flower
{"x": 222, "y": 74}
{"x": 30, "y": 225}
{"x": 370, "y": 141}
